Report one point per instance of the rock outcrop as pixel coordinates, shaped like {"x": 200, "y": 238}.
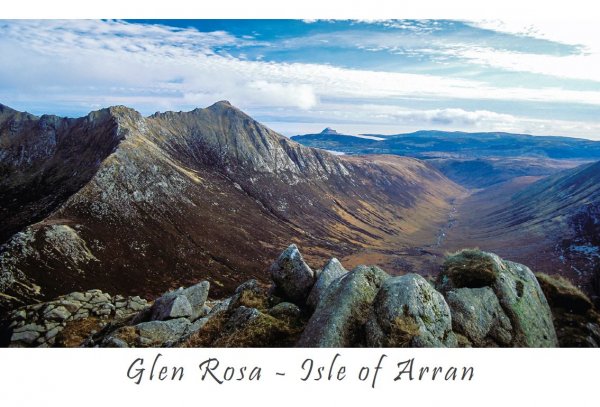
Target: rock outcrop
{"x": 293, "y": 278}
{"x": 339, "y": 318}
{"x": 187, "y": 303}
{"x": 478, "y": 316}
{"x": 409, "y": 312}
{"x": 332, "y": 270}
{"x": 516, "y": 290}
{"x": 480, "y": 301}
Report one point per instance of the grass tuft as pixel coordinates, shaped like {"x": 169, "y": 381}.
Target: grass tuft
{"x": 470, "y": 268}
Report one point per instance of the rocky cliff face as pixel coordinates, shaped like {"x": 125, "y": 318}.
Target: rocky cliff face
{"x": 131, "y": 205}
{"x": 479, "y": 300}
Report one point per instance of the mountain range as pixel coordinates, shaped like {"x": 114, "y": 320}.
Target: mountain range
{"x": 136, "y": 205}
{"x": 474, "y": 160}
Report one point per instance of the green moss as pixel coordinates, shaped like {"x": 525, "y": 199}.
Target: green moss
{"x": 252, "y": 299}
{"x": 402, "y": 331}
{"x": 263, "y": 331}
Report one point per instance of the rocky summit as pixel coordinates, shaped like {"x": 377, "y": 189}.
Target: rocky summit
{"x": 478, "y": 300}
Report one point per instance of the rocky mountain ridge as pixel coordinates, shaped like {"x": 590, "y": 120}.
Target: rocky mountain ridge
{"x": 131, "y": 204}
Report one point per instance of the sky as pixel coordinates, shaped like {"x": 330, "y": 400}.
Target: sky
{"x": 300, "y": 76}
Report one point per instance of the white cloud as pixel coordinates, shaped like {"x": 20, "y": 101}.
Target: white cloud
{"x": 148, "y": 67}
{"x": 583, "y": 64}
{"x": 389, "y": 119}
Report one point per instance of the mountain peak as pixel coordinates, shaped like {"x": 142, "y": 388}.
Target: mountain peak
{"x": 329, "y": 130}
{"x": 221, "y": 104}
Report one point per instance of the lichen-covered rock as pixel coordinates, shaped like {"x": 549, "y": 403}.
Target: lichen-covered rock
{"x": 515, "y": 287}
{"x": 197, "y": 295}
{"x": 332, "y": 270}
{"x": 285, "y": 310}
{"x": 293, "y": 278}
{"x": 249, "y": 294}
{"x": 184, "y": 302}
{"x": 478, "y": 316}
{"x": 219, "y": 306}
{"x": 160, "y": 333}
{"x": 171, "y": 305}
{"x": 409, "y": 312}
{"x": 41, "y": 324}
{"x": 340, "y": 316}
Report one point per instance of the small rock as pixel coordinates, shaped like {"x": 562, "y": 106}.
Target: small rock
{"x": 81, "y": 314}
{"x": 20, "y": 314}
{"x": 52, "y": 333}
{"x": 77, "y": 296}
{"x": 292, "y": 276}
{"x": 285, "y": 310}
{"x": 136, "y": 303}
{"x": 27, "y": 337}
{"x": 30, "y": 327}
{"x": 70, "y": 305}
{"x": 197, "y": 295}
{"x": 57, "y": 314}
{"x": 157, "y": 333}
{"x": 171, "y": 305}
{"x": 250, "y": 285}
{"x": 113, "y": 342}
{"x": 332, "y": 270}
{"x": 241, "y": 317}
{"x": 219, "y": 306}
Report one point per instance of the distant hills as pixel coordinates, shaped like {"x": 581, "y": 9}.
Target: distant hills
{"x": 474, "y": 160}
{"x": 442, "y": 144}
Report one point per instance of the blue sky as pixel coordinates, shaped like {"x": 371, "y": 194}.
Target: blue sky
{"x": 300, "y": 76}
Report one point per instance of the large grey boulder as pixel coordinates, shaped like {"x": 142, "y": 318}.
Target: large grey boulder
{"x": 293, "y": 278}
{"x": 516, "y": 290}
{"x": 341, "y": 314}
{"x": 478, "y": 316}
{"x": 184, "y": 302}
{"x": 332, "y": 270}
{"x": 409, "y": 312}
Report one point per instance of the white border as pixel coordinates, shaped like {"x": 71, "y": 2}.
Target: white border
{"x": 340, "y": 9}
